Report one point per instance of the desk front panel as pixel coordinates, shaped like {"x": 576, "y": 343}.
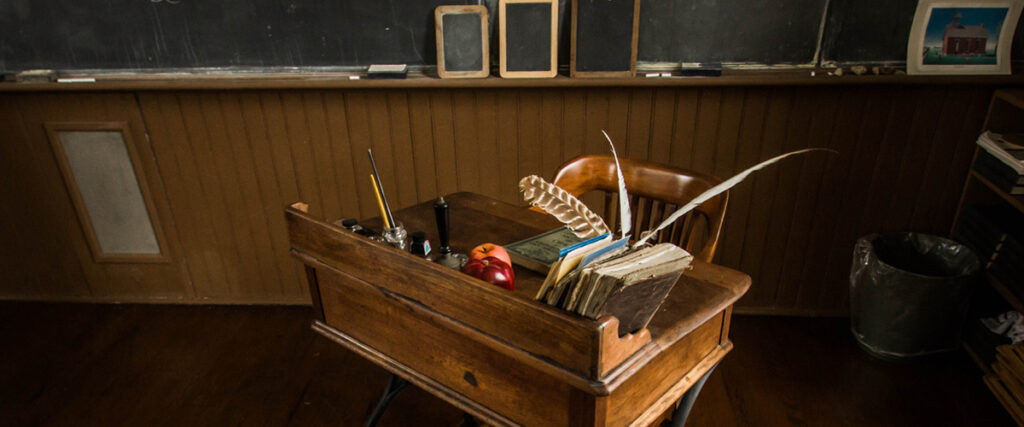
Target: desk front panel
{"x": 644, "y": 388}
{"x": 437, "y": 347}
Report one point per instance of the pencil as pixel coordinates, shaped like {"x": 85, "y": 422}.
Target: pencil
{"x": 380, "y": 188}
{"x": 380, "y": 203}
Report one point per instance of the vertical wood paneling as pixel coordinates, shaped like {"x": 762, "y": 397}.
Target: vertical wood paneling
{"x": 489, "y": 156}
{"x": 229, "y": 162}
{"x": 530, "y": 144}
{"x": 32, "y": 223}
{"x": 855, "y": 191}
{"x": 738, "y": 212}
{"x": 843, "y": 139}
{"x": 444, "y": 142}
{"x": 574, "y": 128}
{"x": 269, "y": 180}
{"x": 662, "y": 125}
{"x": 684, "y": 131}
{"x": 508, "y": 143}
{"x": 806, "y": 206}
{"x": 765, "y": 188}
{"x": 227, "y": 189}
{"x": 464, "y": 110}
{"x": 255, "y": 211}
{"x": 551, "y": 131}
{"x": 421, "y": 127}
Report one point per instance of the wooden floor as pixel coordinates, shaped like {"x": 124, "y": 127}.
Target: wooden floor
{"x": 82, "y": 365}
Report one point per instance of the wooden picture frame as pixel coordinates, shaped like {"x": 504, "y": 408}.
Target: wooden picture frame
{"x": 930, "y": 33}
{"x": 589, "y": 33}
{"x": 53, "y": 131}
{"x": 446, "y": 69}
{"x": 508, "y": 53}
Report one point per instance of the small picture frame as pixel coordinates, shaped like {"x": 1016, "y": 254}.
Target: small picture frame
{"x": 463, "y": 50}
{"x": 528, "y": 38}
{"x": 967, "y": 37}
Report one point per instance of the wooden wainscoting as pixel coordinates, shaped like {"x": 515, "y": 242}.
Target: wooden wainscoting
{"x": 229, "y": 161}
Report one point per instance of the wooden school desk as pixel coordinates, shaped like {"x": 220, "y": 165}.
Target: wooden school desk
{"x": 499, "y": 355}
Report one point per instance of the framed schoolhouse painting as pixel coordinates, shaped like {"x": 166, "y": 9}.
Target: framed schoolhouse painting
{"x": 969, "y": 37}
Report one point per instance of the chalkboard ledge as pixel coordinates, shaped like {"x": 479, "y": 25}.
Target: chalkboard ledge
{"x": 803, "y": 77}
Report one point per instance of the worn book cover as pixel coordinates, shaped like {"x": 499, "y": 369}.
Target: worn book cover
{"x": 537, "y": 253}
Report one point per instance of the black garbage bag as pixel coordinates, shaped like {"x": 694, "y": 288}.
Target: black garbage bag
{"x": 909, "y": 293}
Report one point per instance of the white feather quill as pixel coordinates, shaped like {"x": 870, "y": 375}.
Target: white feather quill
{"x": 718, "y": 189}
{"x": 562, "y": 205}
{"x": 625, "y": 215}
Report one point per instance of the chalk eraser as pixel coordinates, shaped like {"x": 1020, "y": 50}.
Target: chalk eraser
{"x": 387, "y": 71}
{"x": 36, "y": 76}
{"x": 696, "y": 69}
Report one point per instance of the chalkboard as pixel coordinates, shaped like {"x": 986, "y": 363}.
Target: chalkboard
{"x": 173, "y": 34}
{"x": 744, "y": 31}
{"x": 257, "y": 35}
{"x": 462, "y": 47}
{"x": 604, "y": 37}
{"x": 528, "y": 39}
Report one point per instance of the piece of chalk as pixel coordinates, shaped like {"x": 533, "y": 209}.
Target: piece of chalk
{"x": 76, "y": 80}
{"x": 652, "y": 75}
{"x": 353, "y": 77}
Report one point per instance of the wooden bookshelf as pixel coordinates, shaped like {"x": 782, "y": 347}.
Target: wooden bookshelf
{"x": 1005, "y": 115}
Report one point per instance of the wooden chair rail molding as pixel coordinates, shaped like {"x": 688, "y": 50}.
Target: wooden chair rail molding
{"x": 342, "y": 80}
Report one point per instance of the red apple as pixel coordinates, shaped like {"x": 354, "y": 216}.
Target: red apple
{"x": 492, "y": 270}
{"x": 490, "y": 249}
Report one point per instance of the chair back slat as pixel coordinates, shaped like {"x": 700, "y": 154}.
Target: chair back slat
{"x": 656, "y": 191}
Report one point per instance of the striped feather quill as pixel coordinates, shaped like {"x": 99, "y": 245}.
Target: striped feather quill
{"x": 563, "y": 206}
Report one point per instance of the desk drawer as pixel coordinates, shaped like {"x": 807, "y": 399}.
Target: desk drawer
{"x": 440, "y": 349}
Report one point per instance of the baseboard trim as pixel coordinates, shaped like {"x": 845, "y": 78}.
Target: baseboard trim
{"x": 789, "y": 311}
{"x": 159, "y": 300}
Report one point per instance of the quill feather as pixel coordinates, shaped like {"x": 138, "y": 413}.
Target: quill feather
{"x": 718, "y": 189}
{"x": 563, "y": 206}
{"x": 625, "y": 216}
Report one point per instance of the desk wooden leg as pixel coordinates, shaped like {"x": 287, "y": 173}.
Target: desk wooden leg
{"x": 686, "y": 402}
{"x": 395, "y": 385}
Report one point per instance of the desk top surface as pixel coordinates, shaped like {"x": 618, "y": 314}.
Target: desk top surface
{"x": 477, "y": 219}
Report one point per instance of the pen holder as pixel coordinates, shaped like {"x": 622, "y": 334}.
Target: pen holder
{"x": 395, "y": 236}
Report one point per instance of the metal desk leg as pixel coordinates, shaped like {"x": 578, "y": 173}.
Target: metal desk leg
{"x": 686, "y": 402}
{"x": 395, "y": 386}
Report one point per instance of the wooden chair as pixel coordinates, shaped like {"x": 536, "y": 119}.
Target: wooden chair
{"x": 655, "y": 192}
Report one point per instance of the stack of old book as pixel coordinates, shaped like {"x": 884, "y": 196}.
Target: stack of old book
{"x": 996, "y": 235}
{"x": 1007, "y": 379}
{"x": 1001, "y": 161}
{"x": 608, "y": 277}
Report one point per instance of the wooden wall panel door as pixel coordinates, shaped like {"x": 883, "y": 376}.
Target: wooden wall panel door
{"x": 51, "y": 232}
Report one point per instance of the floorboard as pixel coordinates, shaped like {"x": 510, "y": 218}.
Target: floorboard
{"x": 100, "y": 365}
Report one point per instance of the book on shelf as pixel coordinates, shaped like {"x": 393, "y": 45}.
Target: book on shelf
{"x": 998, "y": 173}
{"x": 1005, "y": 147}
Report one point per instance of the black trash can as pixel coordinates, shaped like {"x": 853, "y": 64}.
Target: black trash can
{"x": 909, "y": 293}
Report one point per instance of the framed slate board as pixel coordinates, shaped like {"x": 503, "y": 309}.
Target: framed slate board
{"x": 528, "y": 40}
{"x": 462, "y": 42}
{"x": 604, "y": 37}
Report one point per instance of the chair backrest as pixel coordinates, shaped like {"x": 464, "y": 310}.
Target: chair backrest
{"x": 655, "y": 192}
